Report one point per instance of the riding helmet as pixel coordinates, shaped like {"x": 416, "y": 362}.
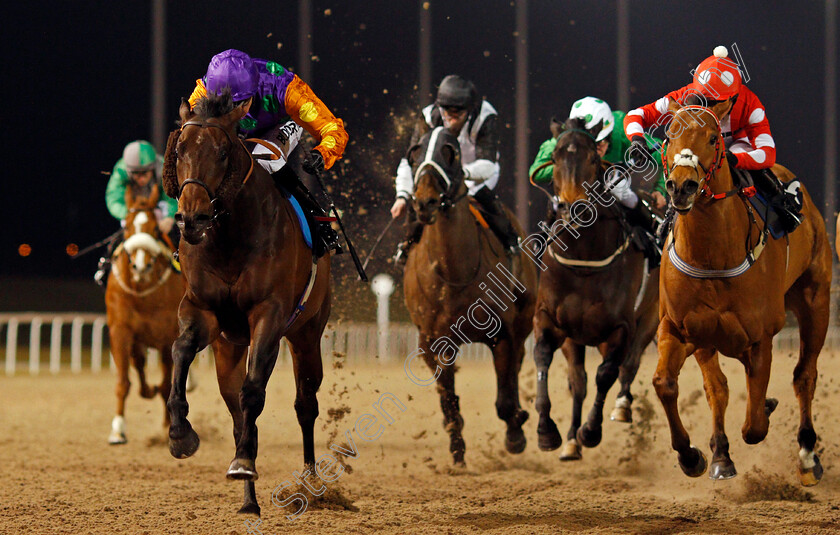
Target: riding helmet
{"x": 717, "y": 77}
{"x": 594, "y": 110}
{"x": 458, "y": 92}
{"x": 235, "y": 70}
{"x": 139, "y": 156}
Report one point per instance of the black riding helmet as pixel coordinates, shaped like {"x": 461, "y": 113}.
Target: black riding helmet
{"x": 457, "y": 92}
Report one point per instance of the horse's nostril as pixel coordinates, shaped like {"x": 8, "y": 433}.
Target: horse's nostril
{"x": 179, "y": 217}
{"x": 690, "y": 187}
{"x": 202, "y": 219}
{"x": 669, "y": 185}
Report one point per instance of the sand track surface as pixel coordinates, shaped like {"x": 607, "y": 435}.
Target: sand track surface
{"x": 59, "y": 475}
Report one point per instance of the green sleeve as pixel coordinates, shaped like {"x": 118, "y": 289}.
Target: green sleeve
{"x": 543, "y": 156}
{"x": 659, "y": 181}
{"x": 115, "y": 191}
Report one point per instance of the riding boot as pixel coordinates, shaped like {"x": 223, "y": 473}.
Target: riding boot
{"x": 785, "y": 204}
{"x": 498, "y": 220}
{"x": 326, "y": 238}
{"x": 645, "y": 222}
{"x": 104, "y": 266}
{"x": 665, "y": 227}
{"x": 413, "y": 232}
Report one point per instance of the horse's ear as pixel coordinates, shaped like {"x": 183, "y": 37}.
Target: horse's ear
{"x": 412, "y": 153}
{"x": 673, "y": 105}
{"x": 450, "y": 155}
{"x": 721, "y": 108}
{"x": 129, "y": 195}
{"x": 170, "y": 163}
{"x": 556, "y": 127}
{"x": 185, "y": 111}
{"x": 595, "y": 130}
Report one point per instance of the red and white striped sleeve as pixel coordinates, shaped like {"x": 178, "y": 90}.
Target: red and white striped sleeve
{"x": 641, "y": 119}
{"x": 752, "y": 123}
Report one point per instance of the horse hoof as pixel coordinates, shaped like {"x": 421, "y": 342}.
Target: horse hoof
{"x": 589, "y": 437}
{"x": 549, "y": 437}
{"x": 811, "y": 476}
{"x": 515, "y": 441}
{"x": 249, "y": 509}
{"x": 694, "y": 467}
{"x": 722, "y": 470}
{"x": 116, "y": 438}
{"x": 770, "y": 405}
{"x": 243, "y": 470}
{"x": 186, "y": 446}
{"x": 571, "y": 451}
{"x": 622, "y": 414}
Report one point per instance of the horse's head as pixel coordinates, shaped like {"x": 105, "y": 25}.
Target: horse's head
{"x": 205, "y": 163}
{"x": 141, "y": 232}
{"x": 438, "y": 176}
{"x": 694, "y": 151}
{"x": 575, "y": 158}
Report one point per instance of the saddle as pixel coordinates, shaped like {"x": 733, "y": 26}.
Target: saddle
{"x": 779, "y": 209}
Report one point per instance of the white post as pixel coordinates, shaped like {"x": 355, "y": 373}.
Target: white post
{"x": 383, "y": 286}
{"x": 11, "y": 346}
{"x": 55, "y": 345}
{"x": 76, "y": 344}
{"x": 96, "y": 345}
{"x": 35, "y": 346}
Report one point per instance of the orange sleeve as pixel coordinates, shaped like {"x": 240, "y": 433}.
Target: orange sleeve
{"x": 307, "y": 110}
{"x": 198, "y": 93}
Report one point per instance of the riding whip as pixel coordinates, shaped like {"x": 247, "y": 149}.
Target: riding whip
{"x": 376, "y": 243}
{"x": 98, "y": 244}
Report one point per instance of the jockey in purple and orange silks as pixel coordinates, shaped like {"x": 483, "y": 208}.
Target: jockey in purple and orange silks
{"x": 279, "y": 107}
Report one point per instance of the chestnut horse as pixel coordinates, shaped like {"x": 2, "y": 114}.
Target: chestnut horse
{"x": 251, "y": 280}
{"x": 141, "y": 301}
{"x": 444, "y": 278}
{"x": 724, "y": 287}
{"x": 595, "y": 290}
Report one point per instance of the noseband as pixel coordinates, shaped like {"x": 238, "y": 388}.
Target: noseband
{"x": 446, "y": 199}
{"x": 216, "y": 211}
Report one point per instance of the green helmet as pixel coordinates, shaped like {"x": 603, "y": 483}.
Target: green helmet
{"x": 139, "y": 156}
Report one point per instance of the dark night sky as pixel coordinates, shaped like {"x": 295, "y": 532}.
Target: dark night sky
{"x": 76, "y": 78}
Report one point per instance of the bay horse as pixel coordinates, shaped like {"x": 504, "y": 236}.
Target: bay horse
{"x": 724, "y": 287}
{"x": 595, "y": 290}
{"x": 443, "y": 283}
{"x": 141, "y": 302}
{"x": 251, "y": 280}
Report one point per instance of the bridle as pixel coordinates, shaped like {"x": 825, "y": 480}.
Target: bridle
{"x": 217, "y": 212}
{"x": 448, "y": 198}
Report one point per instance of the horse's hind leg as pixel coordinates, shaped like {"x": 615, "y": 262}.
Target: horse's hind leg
{"x": 717, "y": 394}
{"x": 672, "y": 354}
{"x": 507, "y": 359}
{"x": 305, "y": 347}
{"x": 615, "y": 352}
{"x": 575, "y": 358}
{"x": 645, "y": 329}
{"x": 812, "y": 314}
{"x": 138, "y": 358}
{"x": 230, "y": 373}
{"x": 121, "y": 348}
{"x": 544, "y": 348}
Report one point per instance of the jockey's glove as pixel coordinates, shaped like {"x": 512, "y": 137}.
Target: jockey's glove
{"x": 732, "y": 160}
{"x": 313, "y": 163}
{"x": 639, "y": 152}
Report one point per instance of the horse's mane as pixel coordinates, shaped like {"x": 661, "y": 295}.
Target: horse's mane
{"x": 214, "y": 105}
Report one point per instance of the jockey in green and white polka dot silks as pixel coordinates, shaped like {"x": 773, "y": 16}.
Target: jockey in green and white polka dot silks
{"x": 138, "y": 157}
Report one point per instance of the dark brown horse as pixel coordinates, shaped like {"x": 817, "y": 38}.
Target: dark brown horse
{"x": 724, "y": 287}
{"x": 141, "y": 303}
{"x": 595, "y": 290}
{"x": 447, "y": 279}
{"x": 251, "y": 280}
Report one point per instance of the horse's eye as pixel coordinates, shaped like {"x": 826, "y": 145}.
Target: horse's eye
{"x": 223, "y": 155}
{"x": 713, "y": 139}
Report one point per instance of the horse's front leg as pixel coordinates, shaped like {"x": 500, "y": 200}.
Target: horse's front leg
{"x": 717, "y": 394}
{"x": 267, "y": 323}
{"x": 198, "y": 328}
{"x": 575, "y": 357}
{"x": 547, "y": 342}
{"x": 757, "y": 364}
{"x": 672, "y": 354}
{"x": 614, "y": 351}
{"x": 507, "y": 360}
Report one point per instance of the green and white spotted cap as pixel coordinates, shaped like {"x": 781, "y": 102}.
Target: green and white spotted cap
{"x": 594, "y": 110}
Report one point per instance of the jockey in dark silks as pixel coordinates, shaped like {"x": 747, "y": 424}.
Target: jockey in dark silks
{"x": 280, "y": 106}
{"x": 459, "y": 108}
